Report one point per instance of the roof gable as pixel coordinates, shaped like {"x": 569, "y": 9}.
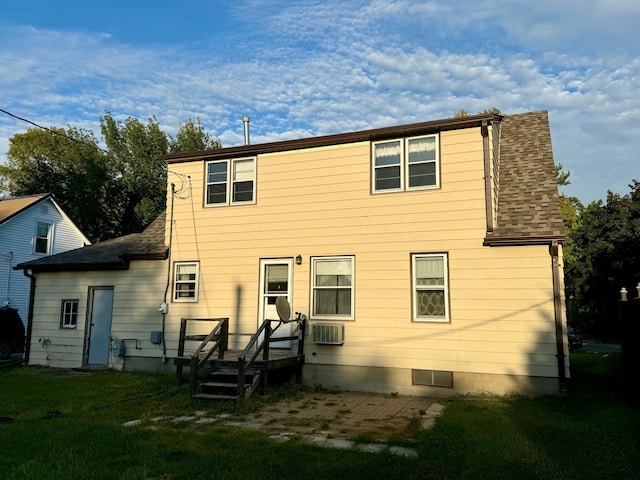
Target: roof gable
{"x": 112, "y": 254}
{"x": 11, "y": 207}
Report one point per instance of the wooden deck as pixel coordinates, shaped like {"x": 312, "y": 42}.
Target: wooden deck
{"x": 217, "y": 372}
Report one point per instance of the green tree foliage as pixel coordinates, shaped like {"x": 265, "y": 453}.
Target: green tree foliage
{"x": 606, "y": 249}
{"x": 134, "y": 153}
{"x": 464, "y": 113}
{"x": 107, "y": 194}
{"x": 570, "y": 208}
{"x": 191, "y": 137}
{"x": 67, "y": 164}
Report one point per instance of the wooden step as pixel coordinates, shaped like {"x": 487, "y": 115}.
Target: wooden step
{"x": 210, "y": 396}
{"x": 222, "y": 385}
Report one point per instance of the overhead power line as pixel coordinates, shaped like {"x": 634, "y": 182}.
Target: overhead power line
{"x": 52, "y": 131}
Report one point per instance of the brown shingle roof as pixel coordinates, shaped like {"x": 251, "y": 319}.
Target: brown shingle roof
{"x": 112, "y": 254}
{"x": 528, "y": 202}
{"x": 11, "y": 207}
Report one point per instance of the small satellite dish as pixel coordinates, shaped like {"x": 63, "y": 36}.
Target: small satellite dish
{"x": 283, "y": 309}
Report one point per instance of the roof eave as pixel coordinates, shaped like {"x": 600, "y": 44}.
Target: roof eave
{"x": 522, "y": 241}
{"x": 74, "y": 267}
{"x": 336, "y": 139}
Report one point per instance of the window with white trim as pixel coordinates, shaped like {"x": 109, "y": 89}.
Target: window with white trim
{"x": 69, "y": 314}
{"x": 230, "y": 182}
{"x": 332, "y": 287}
{"x": 405, "y": 164}
{"x": 185, "y": 285}
{"x": 430, "y": 287}
{"x": 43, "y": 238}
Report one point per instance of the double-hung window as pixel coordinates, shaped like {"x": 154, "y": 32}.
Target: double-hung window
{"x": 430, "y": 288}
{"x": 332, "y": 287}
{"x": 405, "y": 164}
{"x": 185, "y": 287}
{"x": 43, "y": 238}
{"x": 231, "y": 182}
{"x": 69, "y": 314}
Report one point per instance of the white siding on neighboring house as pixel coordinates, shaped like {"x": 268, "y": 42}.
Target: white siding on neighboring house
{"x": 17, "y": 245}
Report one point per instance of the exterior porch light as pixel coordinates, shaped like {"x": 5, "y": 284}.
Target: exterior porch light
{"x": 299, "y": 262}
{"x": 623, "y": 294}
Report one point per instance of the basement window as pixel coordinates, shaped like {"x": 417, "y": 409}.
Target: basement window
{"x": 432, "y": 378}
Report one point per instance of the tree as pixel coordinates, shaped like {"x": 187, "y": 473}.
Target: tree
{"x": 67, "y": 164}
{"x": 606, "y": 248}
{"x": 191, "y": 137}
{"x": 107, "y": 194}
{"x": 134, "y": 154}
{"x": 464, "y": 113}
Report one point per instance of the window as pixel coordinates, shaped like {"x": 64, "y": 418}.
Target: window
{"x": 185, "y": 288}
{"x": 231, "y": 182}
{"x": 405, "y": 164}
{"x": 332, "y": 287}
{"x": 430, "y": 296}
{"x": 69, "y": 314}
{"x": 436, "y": 378}
{"x": 43, "y": 231}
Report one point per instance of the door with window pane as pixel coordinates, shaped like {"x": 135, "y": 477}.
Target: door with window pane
{"x": 275, "y": 281}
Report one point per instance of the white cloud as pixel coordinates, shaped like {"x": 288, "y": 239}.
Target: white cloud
{"x": 306, "y": 68}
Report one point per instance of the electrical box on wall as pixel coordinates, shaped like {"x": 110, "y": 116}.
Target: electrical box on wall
{"x": 162, "y": 307}
{"x": 156, "y": 337}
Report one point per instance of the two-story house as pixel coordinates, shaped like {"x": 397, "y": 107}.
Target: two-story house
{"x": 31, "y": 227}
{"x": 427, "y": 258}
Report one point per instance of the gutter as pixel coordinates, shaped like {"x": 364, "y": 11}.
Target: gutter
{"x": 484, "y": 130}
{"x": 385, "y": 133}
{"x": 32, "y": 294}
{"x": 554, "y": 251}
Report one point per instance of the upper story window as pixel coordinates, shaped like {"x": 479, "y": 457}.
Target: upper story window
{"x": 405, "y": 164}
{"x": 43, "y": 238}
{"x": 332, "y": 288}
{"x": 185, "y": 285}
{"x": 231, "y": 182}
{"x": 69, "y": 314}
{"x": 430, "y": 288}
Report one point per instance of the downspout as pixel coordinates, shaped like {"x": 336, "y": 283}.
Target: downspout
{"x": 554, "y": 250}
{"x": 32, "y": 294}
{"x": 484, "y": 130}
{"x": 6, "y": 297}
{"x": 166, "y": 290}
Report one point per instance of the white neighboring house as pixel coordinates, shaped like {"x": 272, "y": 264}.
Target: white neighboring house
{"x": 31, "y": 227}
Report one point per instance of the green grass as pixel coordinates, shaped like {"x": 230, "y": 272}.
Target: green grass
{"x": 62, "y": 425}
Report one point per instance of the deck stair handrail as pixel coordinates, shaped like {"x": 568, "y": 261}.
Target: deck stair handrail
{"x": 264, "y": 346}
{"x": 210, "y": 373}
{"x": 216, "y": 341}
{"x": 244, "y": 365}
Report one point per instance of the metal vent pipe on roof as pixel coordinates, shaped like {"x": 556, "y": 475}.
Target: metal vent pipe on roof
{"x": 246, "y": 121}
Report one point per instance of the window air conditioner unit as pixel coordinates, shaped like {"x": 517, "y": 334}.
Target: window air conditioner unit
{"x": 328, "y": 333}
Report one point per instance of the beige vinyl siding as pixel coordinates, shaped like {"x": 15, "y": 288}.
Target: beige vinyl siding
{"x": 318, "y": 202}
{"x": 136, "y": 295}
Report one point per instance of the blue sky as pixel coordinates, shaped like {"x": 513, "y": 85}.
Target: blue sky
{"x": 302, "y": 68}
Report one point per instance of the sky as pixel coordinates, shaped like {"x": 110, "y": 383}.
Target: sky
{"x": 302, "y": 68}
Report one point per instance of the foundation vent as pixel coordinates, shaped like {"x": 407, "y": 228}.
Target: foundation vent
{"x": 328, "y": 333}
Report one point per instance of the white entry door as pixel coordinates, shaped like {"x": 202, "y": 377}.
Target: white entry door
{"x": 99, "y": 325}
{"x": 275, "y": 281}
